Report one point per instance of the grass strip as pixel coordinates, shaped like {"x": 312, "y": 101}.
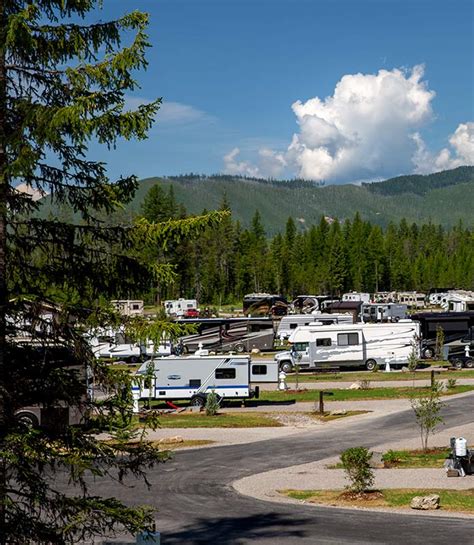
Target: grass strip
{"x": 350, "y": 395}
{"x": 221, "y": 420}
{"x": 377, "y": 377}
{"x": 450, "y": 500}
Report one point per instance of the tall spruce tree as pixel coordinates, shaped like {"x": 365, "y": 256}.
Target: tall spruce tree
{"x": 63, "y": 86}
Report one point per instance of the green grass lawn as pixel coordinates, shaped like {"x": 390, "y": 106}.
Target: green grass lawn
{"x": 351, "y": 376}
{"x": 353, "y": 395}
{"x": 433, "y": 458}
{"x": 450, "y": 500}
{"x": 221, "y": 420}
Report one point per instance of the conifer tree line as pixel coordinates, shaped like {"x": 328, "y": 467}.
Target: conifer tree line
{"x": 332, "y": 257}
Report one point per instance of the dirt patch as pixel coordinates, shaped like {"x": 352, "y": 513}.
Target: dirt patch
{"x": 367, "y": 496}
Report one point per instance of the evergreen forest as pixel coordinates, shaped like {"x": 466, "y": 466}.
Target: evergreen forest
{"x": 330, "y": 257}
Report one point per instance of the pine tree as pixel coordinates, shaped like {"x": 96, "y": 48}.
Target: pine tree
{"x": 63, "y": 86}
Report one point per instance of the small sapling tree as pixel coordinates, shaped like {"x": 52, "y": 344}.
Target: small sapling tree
{"x": 427, "y": 409}
{"x": 212, "y": 404}
{"x": 356, "y": 464}
{"x": 439, "y": 343}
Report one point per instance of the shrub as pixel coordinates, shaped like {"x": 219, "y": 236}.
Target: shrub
{"x": 451, "y": 383}
{"x": 212, "y": 404}
{"x": 356, "y": 464}
{"x": 427, "y": 409}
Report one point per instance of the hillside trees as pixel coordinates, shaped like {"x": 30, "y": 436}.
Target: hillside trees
{"x": 63, "y": 87}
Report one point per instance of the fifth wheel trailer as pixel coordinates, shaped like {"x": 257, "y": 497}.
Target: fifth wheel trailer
{"x": 356, "y": 345}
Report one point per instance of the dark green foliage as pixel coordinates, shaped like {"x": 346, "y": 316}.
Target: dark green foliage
{"x": 212, "y": 403}
{"x": 356, "y": 464}
{"x": 63, "y": 85}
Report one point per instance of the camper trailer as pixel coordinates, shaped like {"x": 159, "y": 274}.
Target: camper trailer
{"x": 289, "y": 323}
{"x": 193, "y": 377}
{"x": 357, "y": 345}
{"x": 179, "y": 307}
{"x": 383, "y": 312}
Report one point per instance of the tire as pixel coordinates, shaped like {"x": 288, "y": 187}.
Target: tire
{"x": 198, "y": 401}
{"x": 370, "y": 365}
{"x": 286, "y": 366}
{"x": 457, "y": 363}
{"x": 469, "y": 363}
{"x": 239, "y": 348}
{"x": 133, "y": 359}
{"x": 27, "y": 420}
{"x": 428, "y": 353}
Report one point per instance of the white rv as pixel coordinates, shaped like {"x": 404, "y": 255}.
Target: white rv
{"x": 288, "y": 324}
{"x": 193, "y": 377}
{"x": 114, "y": 344}
{"x": 368, "y": 345}
{"x": 383, "y": 312}
{"x": 356, "y": 296}
{"x": 179, "y": 307}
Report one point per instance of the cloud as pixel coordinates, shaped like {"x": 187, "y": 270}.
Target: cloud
{"x": 242, "y": 168}
{"x": 170, "y": 113}
{"x": 369, "y": 128}
{"x": 461, "y": 152}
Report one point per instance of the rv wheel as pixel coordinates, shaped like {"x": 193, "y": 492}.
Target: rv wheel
{"x": 239, "y": 348}
{"x": 457, "y": 363}
{"x": 428, "y": 353}
{"x": 286, "y": 367}
{"x": 469, "y": 363}
{"x": 370, "y": 365}
{"x": 27, "y": 420}
{"x": 198, "y": 401}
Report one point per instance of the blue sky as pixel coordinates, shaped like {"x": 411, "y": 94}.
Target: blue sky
{"x": 229, "y": 72}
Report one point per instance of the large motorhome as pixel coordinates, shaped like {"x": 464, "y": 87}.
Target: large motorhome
{"x": 357, "y": 345}
{"x": 229, "y": 334}
{"x": 289, "y": 323}
{"x": 264, "y": 304}
{"x": 455, "y": 326}
{"x": 194, "y": 377}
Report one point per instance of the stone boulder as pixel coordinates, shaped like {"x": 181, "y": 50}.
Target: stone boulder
{"x": 171, "y": 440}
{"x": 255, "y": 351}
{"x": 425, "y": 502}
{"x": 355, "y": 386}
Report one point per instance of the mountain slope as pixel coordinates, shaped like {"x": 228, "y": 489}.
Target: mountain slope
{"x": 444, "y": 198}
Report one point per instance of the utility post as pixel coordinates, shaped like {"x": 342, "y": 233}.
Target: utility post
{"x": 322, "y": 393}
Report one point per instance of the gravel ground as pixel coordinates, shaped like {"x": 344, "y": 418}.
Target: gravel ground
{"x": 315, "y": 475}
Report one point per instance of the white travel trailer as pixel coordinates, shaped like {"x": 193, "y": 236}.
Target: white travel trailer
{"x": 368, "y": 345}
{"x": 193, "y": 377}
{"x": 457, "y": 301}
{"x": 356, "y": 296}
{"x": 178, "y": 307}
{"x": 114, "y": 344}
{"x": 129, "y": 307}
{"x": 288, "y": 324}
{"x": 383, "y": 312}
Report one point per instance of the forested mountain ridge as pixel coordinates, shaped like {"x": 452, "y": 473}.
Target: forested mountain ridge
{"x": 443, "y": 198}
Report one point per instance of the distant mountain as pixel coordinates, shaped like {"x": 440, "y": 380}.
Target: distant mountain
{"x": 443, "y": 198}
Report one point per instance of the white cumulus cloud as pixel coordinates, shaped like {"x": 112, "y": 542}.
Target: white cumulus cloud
{"x": 170, "y": 113}
{"x": 369, "y": 128}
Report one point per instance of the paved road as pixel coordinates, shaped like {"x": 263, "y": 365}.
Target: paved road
{"x": 197, "y": 504}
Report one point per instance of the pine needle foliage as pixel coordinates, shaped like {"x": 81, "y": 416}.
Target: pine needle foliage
{"x": 64, "y": 85}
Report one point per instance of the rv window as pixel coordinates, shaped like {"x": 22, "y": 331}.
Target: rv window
{"x": 347, "y": 339}
{"x": 323, "y": 342}
{"x": 293, "y": 326}
{"x": 300, "y": 347}
{"x": 225, "y": 373}
{"x": 259, "y": 369}
{"x": 194, "y": 382}
{"x": 135, "y": 307}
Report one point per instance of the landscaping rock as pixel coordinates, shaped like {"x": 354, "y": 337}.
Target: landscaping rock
{"x": 255, "y": 351}
{"x": 376, "y": 460}
{"x": 405, "y": 370}
{"x": 172, "y": 440}
{"x": 355, "y": 386}
{"x": 339, "y": 412}
{"x": 425, "y": 503}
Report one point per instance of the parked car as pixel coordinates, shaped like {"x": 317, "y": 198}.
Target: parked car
{"x": 191, "y": 313}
